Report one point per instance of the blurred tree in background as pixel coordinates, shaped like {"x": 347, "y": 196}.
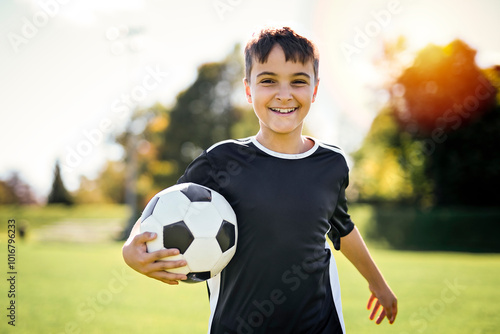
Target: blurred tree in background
{"x": 160, "y": 142}
{"x": 109, "y": 187}
{"x": 434, "y": 144}
{"x": 59, "y": 194}
{"x": 434, "y": 147}
{"x": 14, "y": 190}
{"x": 165, "y": 140}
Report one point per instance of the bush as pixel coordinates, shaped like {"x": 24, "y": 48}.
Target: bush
{"x": 448, "y": 229}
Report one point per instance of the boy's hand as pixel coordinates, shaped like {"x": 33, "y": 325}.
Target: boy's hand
{"x": 136, "y": 256}
{"x": 354, "y": 248}
{"x": 388, "y": 301}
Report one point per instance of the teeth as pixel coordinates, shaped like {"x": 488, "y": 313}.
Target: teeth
{"x": 283, "y": 111}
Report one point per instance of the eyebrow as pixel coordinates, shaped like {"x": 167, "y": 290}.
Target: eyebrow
{"x": 274, "y": 74}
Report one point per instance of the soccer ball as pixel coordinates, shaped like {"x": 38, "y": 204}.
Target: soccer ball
{"x": 196, "y": 220}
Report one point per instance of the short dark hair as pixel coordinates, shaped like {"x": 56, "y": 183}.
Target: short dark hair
{"x": 295, "y": 47}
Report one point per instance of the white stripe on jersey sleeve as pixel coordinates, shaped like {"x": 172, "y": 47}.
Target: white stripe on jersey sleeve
{"x": 335, "y": 149}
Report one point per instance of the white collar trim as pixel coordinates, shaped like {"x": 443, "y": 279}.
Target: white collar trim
{"x": 286, "y": 155}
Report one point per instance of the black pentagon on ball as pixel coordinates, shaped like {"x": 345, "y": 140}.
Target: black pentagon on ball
{"x": 148, "y": 211}
{"x": 197, "y": 277}
{"x": 197, "y": 193}
{"x": 177, "y": 235}
{"x": 226, "y": 237}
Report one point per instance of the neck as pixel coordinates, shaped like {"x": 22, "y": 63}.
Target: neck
{"x": 285, "y": 143}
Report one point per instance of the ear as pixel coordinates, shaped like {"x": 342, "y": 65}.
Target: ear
{"x": 315, "y": 90}
{"x": 248, "y": 91}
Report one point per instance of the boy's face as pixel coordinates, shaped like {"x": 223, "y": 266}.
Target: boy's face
{"x": 281, "y": 93}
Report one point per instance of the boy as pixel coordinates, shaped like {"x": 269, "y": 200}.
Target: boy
{"x": 288, "y": 192}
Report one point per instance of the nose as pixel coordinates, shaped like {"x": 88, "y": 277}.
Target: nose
{"x": 284, "y": 93}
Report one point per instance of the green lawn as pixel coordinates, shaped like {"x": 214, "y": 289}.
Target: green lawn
{"x": 67, "y": 288}
{"x": 86, "y": 288}
{"x": 37, "y": 216}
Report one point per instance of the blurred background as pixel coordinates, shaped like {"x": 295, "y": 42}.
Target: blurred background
{"x": 105, "y": 103}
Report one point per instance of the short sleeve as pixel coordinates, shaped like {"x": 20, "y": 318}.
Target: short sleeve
{"x": 341, "y": 223}
{"x": 200, "y": 171}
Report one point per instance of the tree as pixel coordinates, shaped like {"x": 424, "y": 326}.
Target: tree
{"x": 205, "y": 113}
{"x": 160, "y": 142}
{"x": 443, "y": 90}
{"x": 59, "y": 194}
{"x": 15, "y": 191}
{"x": 7, "y": 194}
{"x": 389, "y": 166}
{"x": 438, "y": 135}
{"x": 430, "y": 159}
{"x": 109, "y": 187}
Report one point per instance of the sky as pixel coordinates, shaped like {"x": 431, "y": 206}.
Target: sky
{"x": 72, "y": 71}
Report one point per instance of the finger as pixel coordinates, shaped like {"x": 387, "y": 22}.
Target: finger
{"x": 167, "y": 280}
{"x": 144, "y": 237}
{"x": 370, "y": 301}
{"x": 381, "y": 317}
{"x": 166, "y": 265}
{"x": 392, "y": 318}
{"x": 167, "y": 277}
{"x": 162, "y": 253}
{"x": 375, "y": 310}
{"x": 151, "y": 262}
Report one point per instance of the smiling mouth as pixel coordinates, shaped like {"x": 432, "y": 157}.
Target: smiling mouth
{"x": 284, "y": 110}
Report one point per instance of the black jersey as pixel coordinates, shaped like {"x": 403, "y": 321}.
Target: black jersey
{"x": 283, "y": 277}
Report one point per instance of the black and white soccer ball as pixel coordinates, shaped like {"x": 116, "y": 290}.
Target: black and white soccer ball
{"x": 196, "y": 220}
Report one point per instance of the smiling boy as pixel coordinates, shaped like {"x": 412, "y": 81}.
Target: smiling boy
{"x": 281, "y": 92}
{"x": 288, "y": 192}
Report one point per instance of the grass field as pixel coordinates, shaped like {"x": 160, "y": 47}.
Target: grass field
{"x": 84, "y": 287}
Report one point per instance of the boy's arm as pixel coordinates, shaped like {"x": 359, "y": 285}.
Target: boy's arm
{"x": 355, "y": 250}
{"x": 137, "y": 257}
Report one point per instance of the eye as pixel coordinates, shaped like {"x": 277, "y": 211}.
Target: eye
{"x": 299, "y": 82}
{"x": 267, "y": 81}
